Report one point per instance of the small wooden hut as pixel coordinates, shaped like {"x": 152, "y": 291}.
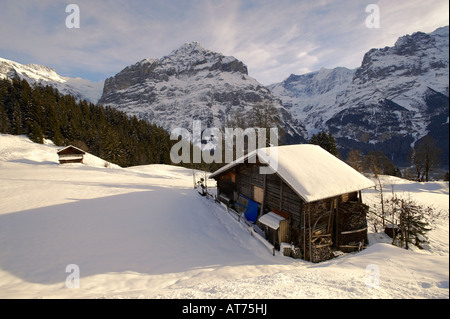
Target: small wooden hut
{"x": 70, "y": 154}
{"x": 311, "y": 200}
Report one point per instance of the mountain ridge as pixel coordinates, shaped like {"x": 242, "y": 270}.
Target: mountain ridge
{"x": 41, "y": 74}
{"x": 395, "y": 98}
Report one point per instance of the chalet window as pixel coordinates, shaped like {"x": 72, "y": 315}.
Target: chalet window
{"x": 258, "y": 194}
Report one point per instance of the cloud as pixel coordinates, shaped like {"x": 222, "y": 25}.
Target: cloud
{"x": 274, "y": 38}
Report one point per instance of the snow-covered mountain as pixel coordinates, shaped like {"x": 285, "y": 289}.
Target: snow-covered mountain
{"x": 310, "y": 97}
{"x": 39, "y": 74}
{"x": 191, "y": 83}
{"x": 398, "y": 95}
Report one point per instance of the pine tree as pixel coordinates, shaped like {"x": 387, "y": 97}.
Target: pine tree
{"x": 35, "y": 132}
{"x": 326, "y": 141}
{"x": 4, "y": 122}
{"x": 16, "y": 121}
{"x": 414, "y": 222}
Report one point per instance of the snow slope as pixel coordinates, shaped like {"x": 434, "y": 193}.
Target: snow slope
{"x": 144, "y": 232}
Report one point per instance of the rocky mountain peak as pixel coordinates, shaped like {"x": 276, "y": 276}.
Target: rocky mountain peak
{"x": 192, "y": 56}
{"x": 188, "y": 60}
{"x": 190, "y": 83}
{"x": 412, "y": 44}
{"x": 190, "y": 48}
{"x": 414, "y": 55}
{"x": 397, "y": 96}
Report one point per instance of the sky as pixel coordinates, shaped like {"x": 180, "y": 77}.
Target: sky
{"x": 274, "y": 38}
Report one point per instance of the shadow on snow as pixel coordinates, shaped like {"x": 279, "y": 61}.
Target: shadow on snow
{"x": 153, "y": 231}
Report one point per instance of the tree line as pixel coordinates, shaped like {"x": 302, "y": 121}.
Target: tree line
{"x": 42, "y": 112}
{"x": 424, "y": 158}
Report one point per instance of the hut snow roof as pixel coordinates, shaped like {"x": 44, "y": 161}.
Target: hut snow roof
{"x": 312, "y": 172}
{"x": 74, "y": 149}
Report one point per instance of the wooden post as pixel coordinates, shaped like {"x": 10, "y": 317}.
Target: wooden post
{"x": 275, "y": 233}
{"x": 310, "y": 234}
{"x": 206, "y": 185}
{"x": 281, "y": 194}
{"x": 193, "y": 177}
{"x": 263, "y": 204}
{"x": 330, "y": 217}
{"x": 238, "y": 189}
{"x": 405, "y": 227}
{"x": 337, "y": 226}
{"x": 304, "y": 230}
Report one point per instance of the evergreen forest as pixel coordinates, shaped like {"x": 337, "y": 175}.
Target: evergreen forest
{"x": 42, "y": 112}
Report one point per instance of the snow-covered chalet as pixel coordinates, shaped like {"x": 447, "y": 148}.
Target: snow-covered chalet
{"x": 307, "y": 202}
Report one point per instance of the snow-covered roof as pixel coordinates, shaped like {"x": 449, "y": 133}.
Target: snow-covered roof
{"x": 271, "y": 220}
{"x": 309, "y": 170}
{"x": 80, "y": 151}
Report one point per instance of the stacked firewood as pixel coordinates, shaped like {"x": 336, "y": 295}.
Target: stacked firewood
{"x": 321, "y": 228}
{"x": 352, "y": 225}
{"x": 321, "y": 254}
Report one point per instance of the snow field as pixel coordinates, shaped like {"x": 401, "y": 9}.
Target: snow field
{"x": 144, "y": 232}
